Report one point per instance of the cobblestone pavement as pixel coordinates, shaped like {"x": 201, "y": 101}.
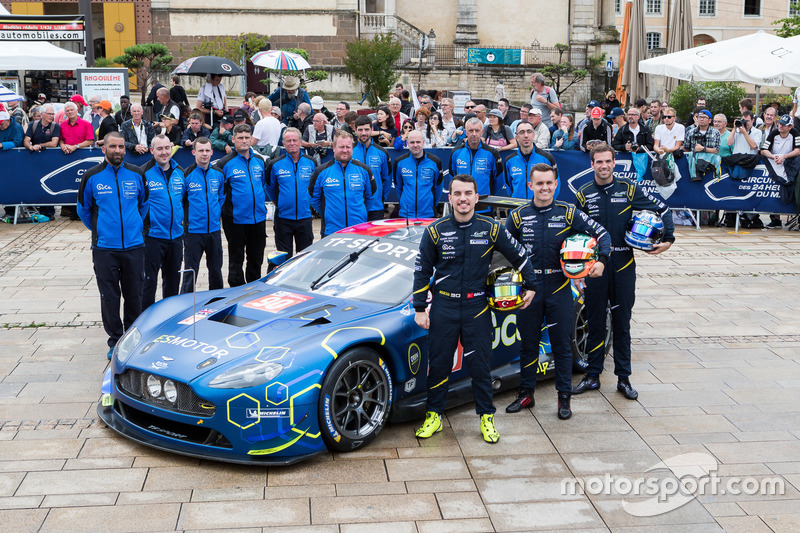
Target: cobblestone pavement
{"x": 716, "y": 361}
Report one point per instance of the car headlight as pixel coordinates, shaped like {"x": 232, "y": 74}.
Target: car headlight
{"x": 170, "y": 391}
{"x": 126, "y": 344}
{"x": 153, "y": 386}
{"x": 248, "y": 375}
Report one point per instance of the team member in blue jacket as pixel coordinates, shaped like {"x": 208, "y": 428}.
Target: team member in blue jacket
{"x": 541, "y": 227}
{"x": 376, "y": 158}
{"x": 478, "y": 160}
{"x": 518, "y": 166}
{"x": 203, "y": 196}
{"x": 163, "y": 243}
{"x": 610, "y": 201}
{"x": 418, "y": 179}
{"x": 112, "y": 202}
{"x": 339, "y": 189}
{"x": 244, "y": 214}
{"x": 287, "y": 184}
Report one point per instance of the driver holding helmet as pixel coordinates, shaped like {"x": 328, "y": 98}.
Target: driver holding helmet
{"x": 611, "y": 201}
{"x": 542, "y": 227}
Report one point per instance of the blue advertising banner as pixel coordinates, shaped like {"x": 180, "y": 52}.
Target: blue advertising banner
{"x": 53, "y": 178}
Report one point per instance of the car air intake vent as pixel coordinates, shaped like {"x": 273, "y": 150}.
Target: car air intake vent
{"x": 212, "y": 300}
{"x": 317, "y": 322}
{"x": 226, "y": 316}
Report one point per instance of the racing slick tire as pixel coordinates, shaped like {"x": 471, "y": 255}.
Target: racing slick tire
{"x": 355, "y": 400}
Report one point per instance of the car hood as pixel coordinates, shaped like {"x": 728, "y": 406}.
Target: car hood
{"x": 259, "y": 320}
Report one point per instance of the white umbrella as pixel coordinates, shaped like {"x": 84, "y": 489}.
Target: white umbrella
{"x": 7, "y": 95}
{"x": 280, "y": 60}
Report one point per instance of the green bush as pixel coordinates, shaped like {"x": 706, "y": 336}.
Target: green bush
{"x": 721, "y": 97}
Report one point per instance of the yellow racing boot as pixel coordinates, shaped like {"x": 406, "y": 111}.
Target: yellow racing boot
{"x": 432, "y": 424}
{"x": 490, "y": 434}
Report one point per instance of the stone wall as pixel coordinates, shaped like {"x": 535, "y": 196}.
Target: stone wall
{"x": 322, "y": 49}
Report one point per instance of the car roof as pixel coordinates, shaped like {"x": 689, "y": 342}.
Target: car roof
{"x": 401, "y": 229}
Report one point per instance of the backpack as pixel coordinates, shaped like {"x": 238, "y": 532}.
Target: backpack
{"x": 661, "y": 172}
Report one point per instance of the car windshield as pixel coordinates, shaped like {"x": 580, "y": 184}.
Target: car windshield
{"x": 382, "y": 274}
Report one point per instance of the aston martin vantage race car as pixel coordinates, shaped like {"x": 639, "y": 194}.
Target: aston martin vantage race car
{"x": 318, "y": 355}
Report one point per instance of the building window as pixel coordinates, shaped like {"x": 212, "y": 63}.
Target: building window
{"x": 793, "y": 9}
{"x": 708, "y": 8}
{"x": 752, "y": 8}
{"x": 618, "y": 7}
{"x": 653, "y": 40}
{"x": 653, "y": 7}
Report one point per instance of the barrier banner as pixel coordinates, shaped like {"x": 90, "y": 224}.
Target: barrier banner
{"x": 52, "y": 178}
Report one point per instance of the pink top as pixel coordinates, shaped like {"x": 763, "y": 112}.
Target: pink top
{"x": 81, "y": 131}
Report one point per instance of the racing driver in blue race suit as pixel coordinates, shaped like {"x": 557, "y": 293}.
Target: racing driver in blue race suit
{"x": 611, "y": 200}
{"x": 457, "y": 251}
{"x": 541, "y": 227}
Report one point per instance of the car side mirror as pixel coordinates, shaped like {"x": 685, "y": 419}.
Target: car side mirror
{"x": 276, "y": 259}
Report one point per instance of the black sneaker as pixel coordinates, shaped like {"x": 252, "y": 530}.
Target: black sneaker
{"x": 564, "y": 410}
{"x": 587, "y": 383}
{"x": 774, "y": 224}
{"x": 524, "y": 399}
{"x": 627, "y": 390}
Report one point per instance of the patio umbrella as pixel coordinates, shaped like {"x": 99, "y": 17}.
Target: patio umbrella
{"x": 7, "y": 95}
{"x": 280, "y": 60}
{"x": 623, "y": 47}
{"x": 680, "y": 36}
{"x": 200, "y": 66}
{"x": 634, "y": 82}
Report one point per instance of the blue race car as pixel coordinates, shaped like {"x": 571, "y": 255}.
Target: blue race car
{"x": 318, "y": 355}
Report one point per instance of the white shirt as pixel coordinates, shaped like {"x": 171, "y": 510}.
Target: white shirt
{"x": 740, "y": 145}
{"x": 541, "y": 137}
{"x": 267, "y": 131}
{"x": 668, "y": 138}
{"x": 781, "y": 146}
{"x": 212, "y": 93}
{"x": 141, "y": 133}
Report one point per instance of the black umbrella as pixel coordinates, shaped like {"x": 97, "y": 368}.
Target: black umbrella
{"x": 200, "y": 66}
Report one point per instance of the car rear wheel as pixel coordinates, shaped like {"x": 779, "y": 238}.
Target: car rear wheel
{"x": 354, "y": 400}
{"x": 580, "y": 337}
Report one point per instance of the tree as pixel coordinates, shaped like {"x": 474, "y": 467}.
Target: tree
{"x": 563, "y": 75}
{"x": 144, "y": 60}
{"x": 372, "y": 63}
{"x": 790, "y": 26}
{"x": 236, "y": 48}
{"x": 721, "y": 97}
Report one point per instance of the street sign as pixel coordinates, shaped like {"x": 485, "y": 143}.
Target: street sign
{"x": 610, "y": 64}
{"x": 494, "y": 56}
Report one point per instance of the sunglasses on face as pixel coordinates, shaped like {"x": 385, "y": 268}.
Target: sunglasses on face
{"x": 669, "y": 116}
{"x": 469, "y": 107}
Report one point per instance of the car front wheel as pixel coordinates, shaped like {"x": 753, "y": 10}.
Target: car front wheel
{"x": 354, "y": 400}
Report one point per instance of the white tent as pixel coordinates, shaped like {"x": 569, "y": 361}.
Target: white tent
{"x": 37, "y": 55}
{"x": 759, "y": 58}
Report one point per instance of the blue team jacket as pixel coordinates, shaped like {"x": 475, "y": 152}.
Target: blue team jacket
{"x": 376, "y": 158}
{"x": 245, "y": 191}
{"x": 165, "y": 217}
{"x": 203, "y": 196}
{"x": 339, "y": 192}
{"x": 518, "y": 171}
{"x": 112, "y": 202}
{"x": 418, "y": 183}
{"x": 287, "y": 185}
{"x": 483, "y": 164}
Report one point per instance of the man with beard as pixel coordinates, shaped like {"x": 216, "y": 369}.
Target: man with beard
{"x": 376, "y": 158}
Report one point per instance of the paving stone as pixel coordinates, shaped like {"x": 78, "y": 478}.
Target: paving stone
{"x": 385, "y": 527}
{"x": 368, "y": 489}
{"x": 426, "y": 469}
{"x": 82, "y": 481}
{"x": 244, "y": 513}
{"x": 532, "y": 516}
{"x": 474, "y": 525}
{"x": 369, "y": 470}
{"x": 788, "y": 523}
{"x": 154, "y": 496}
{"x": 615, "y": 515}
{"x": 728, "y": 452}
{"x": 80, "y": 500}
{"x": 743, "y": 524}
{"x": 134, "y": 518}
{"x": 20, "y": 450}
{"x": 369, "y": 509}
{"x": 206, "y": 476}
{"x": 441, "y": 485}
{"x": 454, "y": 505}
{"x": 525, "y": 490}
{"x": 22, "y": 520}
{"x": 517, "y": 466}
{"x": 10, "y": 482}
{"x": 20, "y": 502}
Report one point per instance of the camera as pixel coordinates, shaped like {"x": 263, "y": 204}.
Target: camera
{"x": 634, "y": 147}
{"x": 738, "y": 123}
{"x": 208, "y": 105}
